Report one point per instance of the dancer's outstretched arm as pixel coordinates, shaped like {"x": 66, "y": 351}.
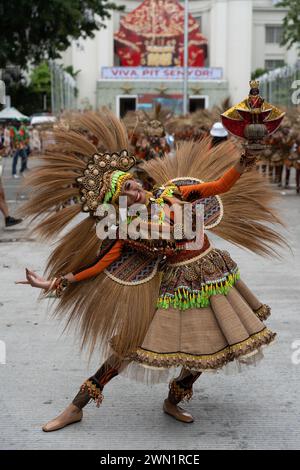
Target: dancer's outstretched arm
{"x": 219, "y": 186}
{"x": 112, "y": 255}
{"x": 37, "y": 281}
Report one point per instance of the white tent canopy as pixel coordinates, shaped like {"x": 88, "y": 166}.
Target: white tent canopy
{"x": 42, "y": 120}
{"x": 12, "y": 113}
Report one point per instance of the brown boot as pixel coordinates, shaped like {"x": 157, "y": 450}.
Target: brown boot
{"x": 181, "y": 388}
{"x": 177, "y": 412}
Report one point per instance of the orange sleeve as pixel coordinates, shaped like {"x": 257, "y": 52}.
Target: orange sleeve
{"x": 212, "y": 188}
{"x": 112, "y": 255}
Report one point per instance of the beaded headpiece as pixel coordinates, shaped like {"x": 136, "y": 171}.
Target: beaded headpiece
{"x": 117, "y": 178}
{"x": 103, "y": 177}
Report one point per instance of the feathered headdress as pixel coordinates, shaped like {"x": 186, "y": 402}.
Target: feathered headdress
{"x": 85, "y": 166}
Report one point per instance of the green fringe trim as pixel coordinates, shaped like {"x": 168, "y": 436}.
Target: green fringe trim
{"x": 185, "y": 298}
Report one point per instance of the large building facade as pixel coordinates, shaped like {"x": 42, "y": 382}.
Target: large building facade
{"x": 241, "y": 36}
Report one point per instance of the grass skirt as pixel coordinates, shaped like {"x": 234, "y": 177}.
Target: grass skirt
{"x": 207, "y": 317}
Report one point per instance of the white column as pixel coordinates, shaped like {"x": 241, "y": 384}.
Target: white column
{"x": 105, "y": 48}
{"x": 239, "y": 47}
{"x": 89, "y": 56}
{"x": 84, "y": 53}
{"x": 292, "y": 55}
{"x": 105, "y": 45}
{"x": 218, "y": 35}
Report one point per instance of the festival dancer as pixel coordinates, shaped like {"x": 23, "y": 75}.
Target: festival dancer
{"x": 151, "y": 291}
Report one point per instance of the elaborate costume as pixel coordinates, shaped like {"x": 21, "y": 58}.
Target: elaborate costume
{"x": 252, "y": 110}
{"x": 293, "y": 161}
{"x": 147, "y": 132}
{"x": 153, "y": 304}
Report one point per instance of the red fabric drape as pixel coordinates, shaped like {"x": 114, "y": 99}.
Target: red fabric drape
{"x": 158, "y": 23}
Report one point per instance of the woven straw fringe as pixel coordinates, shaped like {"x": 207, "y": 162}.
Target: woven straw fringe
{"x": 107, "y": 313}
{"x": 206, "y": 362}
{"x": 151, "y": 375}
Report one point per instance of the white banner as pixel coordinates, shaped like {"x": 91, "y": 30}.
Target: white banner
{"x": 160, "y": 73}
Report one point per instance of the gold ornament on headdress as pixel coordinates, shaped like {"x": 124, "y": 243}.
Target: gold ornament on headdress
{"x": 254, "y": 84}
{"x": 154, "y": 128}
{"x": 95, "y": 181}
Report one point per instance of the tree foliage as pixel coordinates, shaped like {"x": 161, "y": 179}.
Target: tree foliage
{"x": 29, "y": 97}
{"x": 257, "y": 73}
{"x": 34, "y": 30}
{"x": 40, "y": 78}
{"x": 291, "y": 22}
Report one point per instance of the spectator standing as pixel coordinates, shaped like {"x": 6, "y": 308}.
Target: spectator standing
{"x": 9, "y": 220}
{"x": 19, "y": 141}
{"x": 7, "y": 140}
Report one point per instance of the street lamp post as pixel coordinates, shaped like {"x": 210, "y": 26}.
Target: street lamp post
{"x": 185, "y": 57}
{"x": 51, "y": 66}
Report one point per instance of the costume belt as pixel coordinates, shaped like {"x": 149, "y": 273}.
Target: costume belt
{"x": 189, "y": 256}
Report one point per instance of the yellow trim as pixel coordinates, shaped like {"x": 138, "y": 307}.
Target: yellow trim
{"x": 172, "y": 359}
{"x": 121, "y": 180}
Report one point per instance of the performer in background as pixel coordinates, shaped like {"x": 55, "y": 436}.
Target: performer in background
{"x": 218, "y": 133}
{"x": 152, "y": 305}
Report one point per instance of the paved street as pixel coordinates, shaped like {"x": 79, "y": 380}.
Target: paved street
{"x": 258, "y": 409}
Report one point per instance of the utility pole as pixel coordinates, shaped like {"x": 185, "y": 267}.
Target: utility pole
{"x": 2, "y": 94}
{"x": 186, "y": 56}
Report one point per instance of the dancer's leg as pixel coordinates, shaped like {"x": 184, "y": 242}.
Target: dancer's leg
{"x": 3, "y": 205}
{"x": 279, "y": 170}
{"x": 271, "y": 172}
{"x": 298, "y": 181}
{"x": 15, "y": 162}
{"x": 287, "y": 176}
{"x": 91, "y": 389}
{"x": 181, "y": 388}
{"x": 24, "y": 158}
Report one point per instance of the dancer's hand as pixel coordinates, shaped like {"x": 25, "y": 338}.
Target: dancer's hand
{"x": 252, "y": 152}
{"x": 247, "y": 160}
{"x": 34, "y": 280}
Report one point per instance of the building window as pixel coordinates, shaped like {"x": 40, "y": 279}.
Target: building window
{"x": 272, "y": 64}
{"x": 273, "y": 34}
{"x": 199, "y": 21}
{"x": 197, "y": 102}
{"x": 125, "y": 103}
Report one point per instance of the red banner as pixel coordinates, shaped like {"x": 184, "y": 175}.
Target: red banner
{"x": 153, "y": 35}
